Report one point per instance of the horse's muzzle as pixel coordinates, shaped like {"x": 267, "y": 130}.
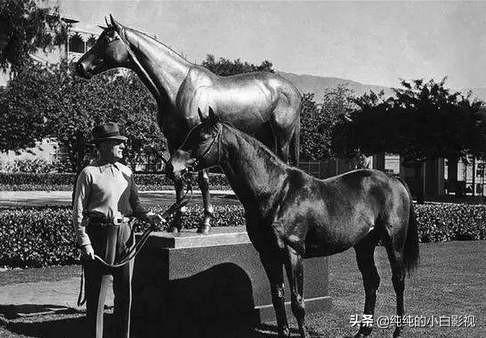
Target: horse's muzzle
{"x": 81, "y": 71}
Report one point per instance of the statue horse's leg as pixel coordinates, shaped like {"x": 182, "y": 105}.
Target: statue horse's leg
{"x": 371, "y": 280}
{"x": 203, "y": 180}
{"x": 295, "y": 273}
{"x": 176, "y": 224}
{"x": 274, "y": 270}
{"x": 282, "y": 143}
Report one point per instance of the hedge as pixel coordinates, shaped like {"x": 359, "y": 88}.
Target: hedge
{"x": 42, "y": 236}
{"x": 34, "y": 237}
{"x": 64, "y": 181}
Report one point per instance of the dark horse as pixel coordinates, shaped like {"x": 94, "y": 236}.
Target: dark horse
{"x": 261, "y": 104}
{"x": 290, "y": 214}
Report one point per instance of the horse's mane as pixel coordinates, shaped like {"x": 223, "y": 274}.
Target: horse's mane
{"x": 261, "y": 148}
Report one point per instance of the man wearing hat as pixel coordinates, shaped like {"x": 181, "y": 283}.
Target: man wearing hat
{"x": 105, "y": 196}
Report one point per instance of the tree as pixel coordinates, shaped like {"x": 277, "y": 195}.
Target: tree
{"x": 225, "y": 67}
{"x": 25, "y": 105}
{"x": 318, "y": 122}
{"x": 51, "y": 102}
{"x": 25, "y": 28}
{"x": 424, "y": 121}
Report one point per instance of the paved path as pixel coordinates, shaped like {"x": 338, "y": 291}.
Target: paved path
{"x": 43, "y": 296}
{"x": 40, "y": 198}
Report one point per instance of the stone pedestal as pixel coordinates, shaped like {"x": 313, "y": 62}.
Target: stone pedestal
{"x": 191, "y": 280}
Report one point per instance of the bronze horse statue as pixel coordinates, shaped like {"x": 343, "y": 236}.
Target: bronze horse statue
{"x": 261, "y": 104}
{"x": 290, "y": 214}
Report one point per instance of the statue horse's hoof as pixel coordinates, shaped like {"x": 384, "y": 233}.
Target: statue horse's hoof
{"x": 174, "y": 230}
{"x": 205, "y": 225}
{"x": 203, "y": 229}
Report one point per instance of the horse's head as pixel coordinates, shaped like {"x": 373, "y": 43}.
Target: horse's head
{"x": 201, "y": 148}
{"x": 109, "y": 51}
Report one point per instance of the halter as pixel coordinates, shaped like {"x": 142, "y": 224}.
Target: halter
{"x": 208, "y": 149}
{"x": 123, "y": 38}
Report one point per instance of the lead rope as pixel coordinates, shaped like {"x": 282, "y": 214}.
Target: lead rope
{"x": 82, "y": 292}
{"x": 137, "y": 247}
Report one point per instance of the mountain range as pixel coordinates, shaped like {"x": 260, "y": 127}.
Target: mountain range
{"x": 319, "y": 84}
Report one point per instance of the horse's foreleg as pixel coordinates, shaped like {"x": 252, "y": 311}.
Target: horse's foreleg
{"x": 176, "y": 224}
{"x": 371, "y": 280}
{"x": 274, "y": 269}
{"x": 203, "y": 181}
{"x": 295, "y": 273}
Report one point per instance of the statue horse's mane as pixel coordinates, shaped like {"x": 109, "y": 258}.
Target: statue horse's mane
{"x": 138, "y": 32}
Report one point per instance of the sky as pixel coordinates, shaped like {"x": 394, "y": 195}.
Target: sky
{"x": 369, "y": 42}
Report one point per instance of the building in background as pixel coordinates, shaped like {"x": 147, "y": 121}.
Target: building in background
{"x": 80, "y": 37}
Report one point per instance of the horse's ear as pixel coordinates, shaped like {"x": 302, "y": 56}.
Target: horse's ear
{"x": 199, "y": 112}
{"x": 212, "y": 116}
{"x": 107, "y": 23}
{"x": 103, "y": 28}
{"x": 115, "y": 24}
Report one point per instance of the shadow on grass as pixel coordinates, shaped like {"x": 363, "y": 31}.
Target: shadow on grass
{"x": 47, "y": 320}
{"x": 10, "y": 312}
{"x": 43, "y": 321}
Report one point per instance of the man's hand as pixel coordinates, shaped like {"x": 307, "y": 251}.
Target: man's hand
{"x": 87, "y": 252}
{"x": 155, "y": 219}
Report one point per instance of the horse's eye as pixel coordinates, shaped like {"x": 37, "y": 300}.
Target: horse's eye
{"x": 205, "y": 136}
{"x": 111, "y": 36}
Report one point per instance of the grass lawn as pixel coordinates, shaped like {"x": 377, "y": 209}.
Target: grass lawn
{"x": 449, "y": 281}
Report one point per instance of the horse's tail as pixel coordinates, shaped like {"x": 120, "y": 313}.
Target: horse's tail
{"x": 411, "y": 247}
{"x": 295, "y": 142}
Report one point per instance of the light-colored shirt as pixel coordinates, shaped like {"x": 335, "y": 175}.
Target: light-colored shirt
{"x": 106, "y": 190}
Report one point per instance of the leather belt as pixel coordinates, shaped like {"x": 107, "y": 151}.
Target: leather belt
{"x": 102, "y": 220}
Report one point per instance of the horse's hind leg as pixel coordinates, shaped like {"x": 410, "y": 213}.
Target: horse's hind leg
{"x": 203, "y": 181}
{"x": 295, "y": 273}
{"x": 274, "y": 269}
{"x": 398, "y": 279}
{"x": 371, "y": 280}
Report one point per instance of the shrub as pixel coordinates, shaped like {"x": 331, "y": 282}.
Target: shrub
{"x": 64, "y": 181}
{"x": 51, "y": 179}
{"x": 35, "y": 165}
{"x": 33, "y": 237}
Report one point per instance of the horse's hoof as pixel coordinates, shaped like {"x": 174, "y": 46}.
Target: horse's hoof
{"x": 304, "y": 333}
{"x": 285, "y": 332}
{"x": 362, "y": 334}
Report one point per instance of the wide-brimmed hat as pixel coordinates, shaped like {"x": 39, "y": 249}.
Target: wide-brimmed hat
{"x": 109, "y": 131}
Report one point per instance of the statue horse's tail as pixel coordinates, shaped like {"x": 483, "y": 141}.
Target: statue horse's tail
{"x": 295, "y": 142}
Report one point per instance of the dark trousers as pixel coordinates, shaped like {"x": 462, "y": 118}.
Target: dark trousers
{"x": 110, "y": 243}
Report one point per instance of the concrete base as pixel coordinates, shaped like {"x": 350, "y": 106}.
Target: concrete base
{"x": 198, "y": 279}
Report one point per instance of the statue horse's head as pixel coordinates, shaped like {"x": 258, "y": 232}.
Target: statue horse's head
{"x": 201, "y": 148}
{"x": 109, "y": 51}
